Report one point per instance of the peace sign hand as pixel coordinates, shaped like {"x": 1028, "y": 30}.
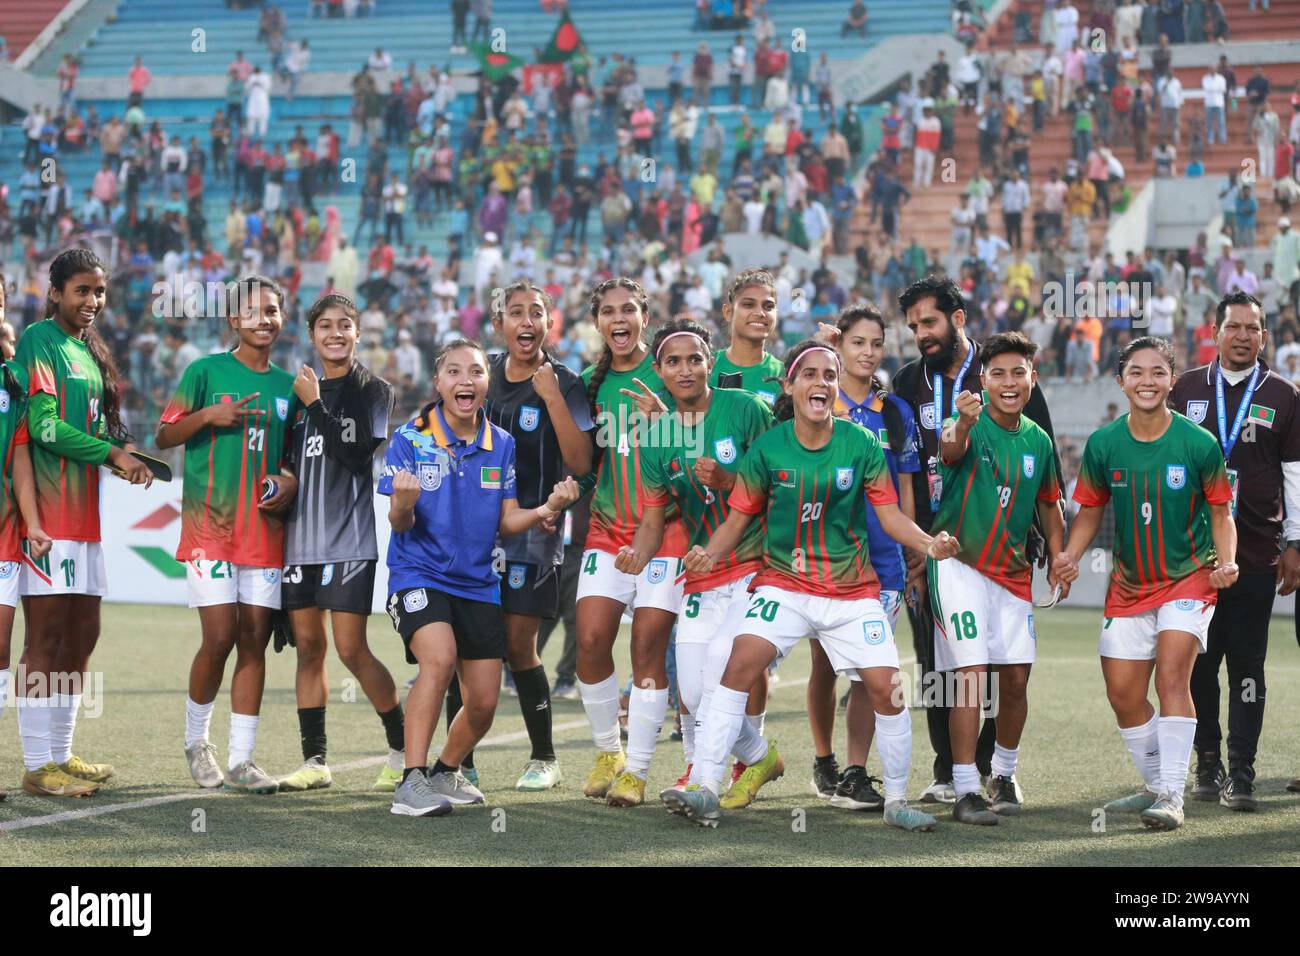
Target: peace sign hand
{"x": 229, "y": 414}
{"x": 647, "y": 402}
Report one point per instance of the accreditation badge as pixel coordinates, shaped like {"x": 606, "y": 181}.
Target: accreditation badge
{"x": 936, "y": 482}
{"x": 1232, "y": 483}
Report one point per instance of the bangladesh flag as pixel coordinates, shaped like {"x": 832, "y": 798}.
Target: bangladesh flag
{"x": 495, "y": 66}
{"x": 1119, "y": 478}
{"x": 564, "y": 42}
{"x": 1262, "y": 414}
{"x": 490, "y": 477}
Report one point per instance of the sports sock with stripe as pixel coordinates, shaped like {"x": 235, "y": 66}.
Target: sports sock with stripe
{"x": 34, "y": 728}
{"x": 311, "y": 727}
{"x": 894, "y": 743}
{"x": 1143, "y": 744}
{"x": 198, "y": 720}
{"x": 6, "y": 688}
{"x": 718, "y": 735}
{"x": 965, "y": 779}
{"x": 535, "y": 704}
{"x": 600, "y": 701}
{"x": 394, "y": 728}
{"x": 1176, "y": 738}
{"x": 646, "y": 710}
{"x": 243, "y": 738}
{"x": 63, "y": 724}
{"x": 1004, "y": 760}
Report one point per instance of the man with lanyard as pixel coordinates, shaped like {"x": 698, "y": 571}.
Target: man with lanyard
{"x": 1253, "y": 413}
{"x": 936, "y": 316}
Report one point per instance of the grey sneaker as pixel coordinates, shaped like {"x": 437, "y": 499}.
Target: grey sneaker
{"x": 899, "y": 814}
{"x": 1134, "y": 803}
{"x": 203, "y": 764}
{"x": 416, "y": 798}
{"x": 248, "y": 777}
{"x": 455, "y": 788}
{"x": 1163, "y": 814}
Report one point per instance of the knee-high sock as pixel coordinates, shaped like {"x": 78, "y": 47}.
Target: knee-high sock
{"x": 34, "y": 728}
{"x": 690, "y": 689}
{"x": 688, "y": 738}
{"x": 535, "y": 704}
{"x": 894, "y": 743}
{"x": 243, "y": 738}
{"x": 6, "y": 688}
{"x": 751, "y": 745}
{"x": 646, "y": 710}
{"x": 600, "y": 701}
{"x": 718, "y": 734}
{"x": 1176, "y": 735}
{"x": 1143, "y": 743}
{"x": 63, "y": 723}
{"x": 198, "y": 721}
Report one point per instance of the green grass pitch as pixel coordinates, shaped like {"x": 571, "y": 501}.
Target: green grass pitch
{"x": 1072, "y": 761}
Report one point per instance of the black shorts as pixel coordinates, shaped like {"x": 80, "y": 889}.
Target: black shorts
{"x": 479, "y": 627}
{"x": 523, "y": 592}
{"x": 341, "y": 586}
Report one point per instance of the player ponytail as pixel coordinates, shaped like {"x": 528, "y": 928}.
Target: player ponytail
{"x": 606, "y": 359}
{"x": 889, "y": 411}
{"x": 783, "y": 407}
{"x": 66, "y": 264}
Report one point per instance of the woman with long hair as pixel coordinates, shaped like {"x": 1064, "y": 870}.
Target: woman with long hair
{"x": 1175, "y": 547}
{"x": 74, "y": 425}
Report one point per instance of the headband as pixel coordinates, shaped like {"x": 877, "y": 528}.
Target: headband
{"x": 816, "y": 348}
{"x": 673, "y": 335}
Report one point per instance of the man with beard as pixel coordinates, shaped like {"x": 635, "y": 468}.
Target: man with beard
{"x": 949, "y": 364}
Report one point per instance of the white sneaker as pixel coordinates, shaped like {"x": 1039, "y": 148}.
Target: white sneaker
{"x": 203, "y": 764}
{"x": 939, "y": 793}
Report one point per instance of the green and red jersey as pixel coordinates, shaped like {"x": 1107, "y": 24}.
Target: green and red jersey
{"x": 224, "y": 467}
{"x": 65, "y": 426}
{"x": 1164, "y": 550}
{"x": 990, "y": 496}
{"x": 734, "y": 420}
{"x": 621, "y": 436}
{"x": 753, "y": 378}
{"x": 814, "y": 508}
{"x": 13, "y": 432}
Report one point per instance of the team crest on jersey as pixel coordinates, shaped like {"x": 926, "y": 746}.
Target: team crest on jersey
{"x": 516, "y": 576}
{"x": 430, "y": 475}
{"x": 4, "y": 401}
{"x": 927, "y": 415}
{"x": 843, "y": 478}
{"x": 271, "y": 575}
{"x": 416, "y": 600}
{"x": 873, "y": 632}
{"x": 282, "y": 408}
{"x": 8, "y": 569}
{"x": 725, "y": 448}
{"x": 1175, "y": 476}
{"x": 1196, "y": 411}
{"x": 657, "y": 570}
{"x": 1028, "y": 462}
{"x": 327, "y": 575}
{"x": 529, "y": 417}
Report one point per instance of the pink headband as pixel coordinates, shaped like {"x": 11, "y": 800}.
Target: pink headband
{"x": 817, "y": 348}
{"x": 669, "y": 338}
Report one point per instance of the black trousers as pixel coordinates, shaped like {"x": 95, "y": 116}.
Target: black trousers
{"x": 936, "y": 718}
{"x": 1239, "y": 633}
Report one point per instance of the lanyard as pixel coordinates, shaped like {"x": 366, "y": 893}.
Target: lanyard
{"x": 1228, "y": 441}
{"x": 956, "y": 387}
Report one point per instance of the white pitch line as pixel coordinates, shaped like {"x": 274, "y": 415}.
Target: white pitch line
{"x": 49, "y": 819}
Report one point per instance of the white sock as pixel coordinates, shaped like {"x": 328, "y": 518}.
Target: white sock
{"x": 646, "y": 709}
{"x": 1176, "y": 735}
{"x": 756, "y": 721}
{"x": 718, "y": 735}
{"x": 688, "y": 738}
{"x": 965, "y": 779}
{"x": 1004, "y": 760}
{"x": 1144, "y": 745}
{"x": 690, "y": 688}
{"x": 63, "y": 723}
{"x": 894, "y": 743}
{"x": 6, "y": 688}
{"x": 198, "y": 719}
{"x": 243, "y": 737}
{"x": 397, "y": 760}
{"x": 751, "y": 745}
{"x": 34, "y": 727}
{"x": 600, "y": 701}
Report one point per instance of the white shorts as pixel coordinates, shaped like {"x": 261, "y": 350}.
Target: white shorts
{"x": 1133, "y": 638}
{"x": 977, "y": 621}
{"x": 854, "y": 633}
{"x": 71, "y": 567}
{"x": 891, "y": 601}
{"x": 704, "y": 613}
{"x": 658, "y": 585}
{"x": 10, "y": 574}
{"x": 221, "y": 582}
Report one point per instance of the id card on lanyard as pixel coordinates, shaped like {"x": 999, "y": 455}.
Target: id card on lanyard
{"x": 1228, "y": 440}
{"x": 932, "y": 466}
